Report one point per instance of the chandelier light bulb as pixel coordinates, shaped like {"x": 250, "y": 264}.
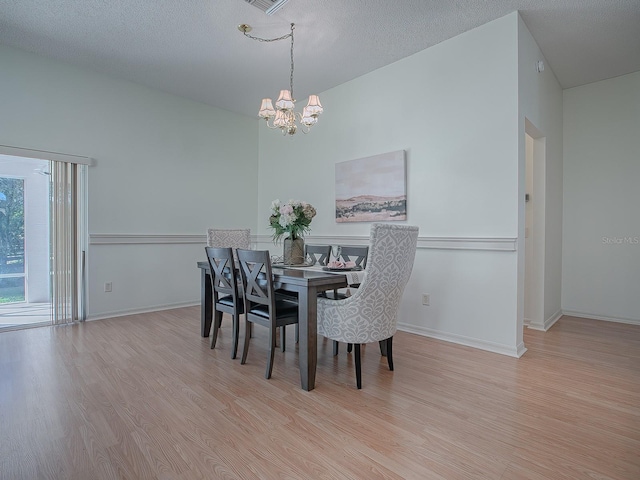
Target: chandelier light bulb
{"x": 285, "y": 102}
{"x": 266, "y": 109}
{"x": 314, "y": 107}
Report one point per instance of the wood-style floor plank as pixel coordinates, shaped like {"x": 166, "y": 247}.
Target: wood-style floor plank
{"x": 144, "y": 397}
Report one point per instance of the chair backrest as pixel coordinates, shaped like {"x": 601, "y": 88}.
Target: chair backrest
{"x": 371, "y": 313}
{"x": 224, "y": 278}
{"x": 234, "y": 238}
{"x": 318, "y": 253}
{"x": 257, "y": 279}
{"x": 355, "y": 253}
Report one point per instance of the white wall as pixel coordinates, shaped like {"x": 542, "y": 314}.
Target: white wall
{"x": 454, "y": 109}
{"x": 458, "y": 109}
{"x": 601, "y": 251}
{"x": 164, "y": 166}
{"x": 540, "y": 115}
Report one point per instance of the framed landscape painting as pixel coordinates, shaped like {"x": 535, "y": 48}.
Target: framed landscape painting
{"x": 372, "y": 189}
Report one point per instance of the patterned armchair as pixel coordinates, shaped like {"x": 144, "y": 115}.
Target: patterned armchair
{"x": 234, "y": 238}
{"x": 229, "y": 238}
{"x": 371, "y": 313}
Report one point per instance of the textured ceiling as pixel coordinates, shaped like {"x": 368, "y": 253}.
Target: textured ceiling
{"x": 192, "y": 47}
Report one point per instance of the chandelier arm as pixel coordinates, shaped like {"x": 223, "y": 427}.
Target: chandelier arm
{"x": 270, "y": 125}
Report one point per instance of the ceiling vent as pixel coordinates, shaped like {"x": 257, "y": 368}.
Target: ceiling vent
{"x": 268, "y": 6}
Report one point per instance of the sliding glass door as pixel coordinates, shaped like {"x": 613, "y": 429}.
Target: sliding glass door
{"x": 42, "y": 241}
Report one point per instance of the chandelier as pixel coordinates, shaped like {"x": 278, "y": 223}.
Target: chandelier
{"x": 283, "y": 116}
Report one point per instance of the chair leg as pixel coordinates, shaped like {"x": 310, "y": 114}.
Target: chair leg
{"x": 358, "y": 366}
{"x": 389, "y": 342}
{"x": 272, "y": 350}
{"x": 335, "y": 348}
{"x": 283, "y": 336}
{"x": 349, "y": 347}
{"x": 383, "y": 347}
{"x": 236, "y": 328}
{"x": 247, "y": 335}
{"x": 217, "y": 320}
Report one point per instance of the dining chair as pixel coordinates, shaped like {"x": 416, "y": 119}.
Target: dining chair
{"x": 227, "y": 297}
{"x": 354, "y": 253}
{"x": 350, "y": 253}
{"x": 371, "y": 313}
{"x": 320, "y": 254}
{"x": 261, "y": 305}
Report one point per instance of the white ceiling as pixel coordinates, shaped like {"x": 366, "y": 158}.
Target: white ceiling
{"x": 192, "y": 47}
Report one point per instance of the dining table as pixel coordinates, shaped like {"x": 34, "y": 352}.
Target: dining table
{"x": 307, "y": 283}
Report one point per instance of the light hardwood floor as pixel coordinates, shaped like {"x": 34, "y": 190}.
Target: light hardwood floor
{"x": 144, "y": 397}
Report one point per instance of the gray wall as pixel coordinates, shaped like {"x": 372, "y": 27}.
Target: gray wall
{"x": 601, "y": 252}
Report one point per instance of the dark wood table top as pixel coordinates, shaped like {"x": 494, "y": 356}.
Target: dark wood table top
{"x": 298, "y": 276}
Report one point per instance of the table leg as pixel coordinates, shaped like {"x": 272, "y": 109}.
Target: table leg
{"x": 308, "y": 337}
{"x": 206, "y": 303}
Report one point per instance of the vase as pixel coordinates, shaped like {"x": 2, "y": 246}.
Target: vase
{"x": 293, "y": 251}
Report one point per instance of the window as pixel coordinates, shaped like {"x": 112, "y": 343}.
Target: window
{"x": 12, "y": 259}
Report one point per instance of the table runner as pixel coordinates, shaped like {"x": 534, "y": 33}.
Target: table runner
{"x": 353, "y": 277}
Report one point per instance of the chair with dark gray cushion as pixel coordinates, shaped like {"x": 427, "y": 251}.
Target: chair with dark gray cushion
{"x": 318, "y": 253}
{"x": 227, "y": 297}
{"x": 261, "y": 305}
{"x": 350, "y": 253}
{"x": 355, "y": 253}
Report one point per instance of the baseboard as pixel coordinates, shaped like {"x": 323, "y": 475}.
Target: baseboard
{"x": 547, "y": 324}
{"x": 136, "y": 311}
{"x": 517, "y": 351}
{"x": 574, "y": 313}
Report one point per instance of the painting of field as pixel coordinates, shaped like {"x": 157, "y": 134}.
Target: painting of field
{"x": 372, "y": 189}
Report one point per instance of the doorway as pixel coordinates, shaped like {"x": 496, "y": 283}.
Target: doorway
{"x": 534, "y": 231}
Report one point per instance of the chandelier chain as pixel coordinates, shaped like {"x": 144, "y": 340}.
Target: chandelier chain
{"x": 283, "y": 37}
{"x": 291, "y": 78}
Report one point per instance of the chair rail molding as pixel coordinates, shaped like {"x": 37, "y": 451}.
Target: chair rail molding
{"x": 144, "y": 239}
{"x": 507, "y": 244}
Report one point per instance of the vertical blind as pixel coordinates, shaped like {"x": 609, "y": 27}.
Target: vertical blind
{"x": 66, "y": 256}
{"x": 67, "y": 230}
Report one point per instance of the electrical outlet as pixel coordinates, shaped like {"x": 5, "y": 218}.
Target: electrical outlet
{"x": 426, "y": 299}
{"x": 107, "y": 287}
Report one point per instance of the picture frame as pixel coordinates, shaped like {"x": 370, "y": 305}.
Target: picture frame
{"x": 372, "y": 189}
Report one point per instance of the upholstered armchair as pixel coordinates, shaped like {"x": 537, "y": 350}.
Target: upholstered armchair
{"x": 371, "y": 313}
{"x": 229, "y": 238}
